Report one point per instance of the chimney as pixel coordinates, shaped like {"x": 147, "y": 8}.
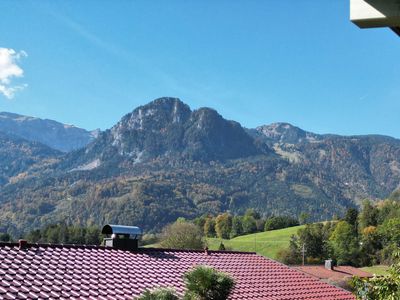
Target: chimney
{"x": 329, "y": 264}
{"x": 122, "y": 237}
{"x": 22, "y": 244}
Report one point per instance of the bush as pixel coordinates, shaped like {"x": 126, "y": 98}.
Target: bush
{"x": 205, "y": 283}
{"x": 148, "y": 239}
{"x": 291, "y": 255}
{"x": 380, "y": 288}
{"x": 5, "y": 237}
{"x": 159, "y": 294}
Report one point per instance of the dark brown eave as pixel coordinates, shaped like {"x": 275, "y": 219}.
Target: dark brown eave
{"x": 396, "y": 30}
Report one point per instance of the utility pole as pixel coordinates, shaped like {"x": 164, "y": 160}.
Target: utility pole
{"x": 303, "y": 252}
{"x": 255, "y": 242}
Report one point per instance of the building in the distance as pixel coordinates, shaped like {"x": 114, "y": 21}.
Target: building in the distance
{"x": 337, "y": 275}
{"x": 376, "y": 13}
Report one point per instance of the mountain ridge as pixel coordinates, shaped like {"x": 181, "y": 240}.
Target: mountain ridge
{"x": 54, "y": 134}
{"x": 163, "y": 160}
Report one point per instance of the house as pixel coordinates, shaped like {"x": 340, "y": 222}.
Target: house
{"x": 122, "y": 270}
{"x": 338, "y": 275}
{"x": 376, "y": 13}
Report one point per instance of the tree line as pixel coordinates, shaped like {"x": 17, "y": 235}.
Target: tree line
{"x": 361, "y": 238}
{"x": 65, "y": 234}
{"x": 227, "y": 226}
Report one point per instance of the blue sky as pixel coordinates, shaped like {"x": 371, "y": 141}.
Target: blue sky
{"x": 88, "y": 63}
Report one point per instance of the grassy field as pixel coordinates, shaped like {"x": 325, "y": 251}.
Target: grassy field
{"x": 378, "y": 270}
{"x": 264, "y": 243}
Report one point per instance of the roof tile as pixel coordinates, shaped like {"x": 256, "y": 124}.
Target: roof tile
{"x": 69, "y": 272}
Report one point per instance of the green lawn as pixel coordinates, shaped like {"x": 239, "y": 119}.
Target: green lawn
{"x": 378, "y": 269}
{"x": 264, "y": 243}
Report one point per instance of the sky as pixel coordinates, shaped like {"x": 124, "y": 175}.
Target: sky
{"x": 88, "y": 63}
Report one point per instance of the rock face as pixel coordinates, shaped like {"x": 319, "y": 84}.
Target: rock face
{"x": 48, "y": 132}
{"x": 286, "y": 133}
{"x": 163, "y": 161}
{"x": 167, "y": 127}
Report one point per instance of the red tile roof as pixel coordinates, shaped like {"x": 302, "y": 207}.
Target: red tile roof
{"x": 94, "y": 272}
{"x": 338, "y": 273}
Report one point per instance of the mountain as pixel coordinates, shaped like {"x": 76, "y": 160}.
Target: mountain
{"x": 163, "y": 128}
{"x": 18, "y": 157}
{"x": 361, "y": 166}
{"x": 56, "y": 135}
{"x": 164, "y": 161}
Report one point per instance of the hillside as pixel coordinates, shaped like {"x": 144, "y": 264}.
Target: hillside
{"x": 19, "y": 157}
{"x": 266, "y": 243}
{"x": 164, "y": 160}
{"x": 56, "y": 135}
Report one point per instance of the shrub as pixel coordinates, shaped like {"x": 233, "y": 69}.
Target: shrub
{"x": 159, "y": 294}
{"x": 206, "y": 283}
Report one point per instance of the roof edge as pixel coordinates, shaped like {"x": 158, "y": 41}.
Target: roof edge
{"x": 82, "y": 246}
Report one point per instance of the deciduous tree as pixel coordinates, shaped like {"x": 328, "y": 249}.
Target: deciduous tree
{"x": 223, "y": 225}
{"x": 182, "y": 235}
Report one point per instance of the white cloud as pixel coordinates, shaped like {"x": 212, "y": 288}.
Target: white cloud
{"x": 9, "y": 69}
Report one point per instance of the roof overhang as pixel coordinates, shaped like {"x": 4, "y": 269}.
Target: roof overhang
{"x": 376, "y": 13}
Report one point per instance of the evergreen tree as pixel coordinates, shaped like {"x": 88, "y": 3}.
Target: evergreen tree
{"x": 368, "y": 215}
{"x": 351, "y": 217}
{"x": 221, "y": 247}
{"x": 209, "y": 227}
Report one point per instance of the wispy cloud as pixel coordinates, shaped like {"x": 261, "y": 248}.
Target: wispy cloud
{"x": 9, "y": 69}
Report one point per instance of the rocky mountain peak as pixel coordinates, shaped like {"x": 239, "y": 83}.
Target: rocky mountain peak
{"x": 168, "y": 127}
{"x": 155, "y": 115}
{"x": 286, "y": 133}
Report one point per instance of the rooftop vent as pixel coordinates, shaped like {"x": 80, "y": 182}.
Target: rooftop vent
{"x": 329, "y": 264}
{"x": 121, "y": 237}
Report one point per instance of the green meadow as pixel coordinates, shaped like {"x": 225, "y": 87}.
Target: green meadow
{"x": 266, "y": 243}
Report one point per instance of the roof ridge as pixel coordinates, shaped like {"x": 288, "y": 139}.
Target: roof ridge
{"x": 142, "y": 249}
{"x": 50, "y": 245}
{"x": 197, "y": 250}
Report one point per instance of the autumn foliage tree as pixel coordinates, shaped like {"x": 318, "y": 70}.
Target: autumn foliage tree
{"x": 182, "y": 235}
{"x": 223, "y": 225}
